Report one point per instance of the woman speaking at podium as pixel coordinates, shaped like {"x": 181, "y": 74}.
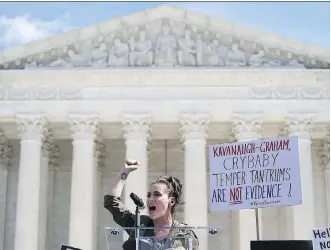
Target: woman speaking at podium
{"x": 162, "y": 198}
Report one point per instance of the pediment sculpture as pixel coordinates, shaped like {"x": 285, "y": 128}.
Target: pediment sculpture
{"x": 167, "y": 43}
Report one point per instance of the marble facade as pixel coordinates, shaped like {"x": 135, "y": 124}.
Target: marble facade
{"x": 157, "y": 86}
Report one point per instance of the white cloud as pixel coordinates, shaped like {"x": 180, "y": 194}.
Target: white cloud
{"x": 23, "y": 29}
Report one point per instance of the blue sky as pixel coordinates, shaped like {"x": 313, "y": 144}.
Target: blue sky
{"x": 21, "y": 22}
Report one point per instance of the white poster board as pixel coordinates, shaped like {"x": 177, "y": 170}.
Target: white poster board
{"x": 321, "y": 238}
{"x": 254, "y": 174}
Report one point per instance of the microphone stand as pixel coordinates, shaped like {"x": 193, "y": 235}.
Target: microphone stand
{"x": 137, "y": 225}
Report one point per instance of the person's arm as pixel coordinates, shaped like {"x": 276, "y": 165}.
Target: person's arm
{"x": 112, "y": 201}
{"x": 119, "y": 183}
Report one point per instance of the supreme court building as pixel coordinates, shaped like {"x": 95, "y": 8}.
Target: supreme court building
{"x": 157, "y": 86}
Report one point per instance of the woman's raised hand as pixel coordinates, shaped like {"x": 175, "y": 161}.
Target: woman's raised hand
{"x": 131, "y": 165}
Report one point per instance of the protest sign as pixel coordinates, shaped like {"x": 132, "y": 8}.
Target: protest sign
{"x": 321, "y": 238}
{"x": 254, "y": 174}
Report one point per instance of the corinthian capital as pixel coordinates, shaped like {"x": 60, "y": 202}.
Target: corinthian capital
{"x": 299, "y": 125}
{"x": 136, "y": 126}
{"x": 247, "y": 126}
{"x": 194, "y": 126}
{"x": 83, "y": 126}
{"x": 31, "y": 126}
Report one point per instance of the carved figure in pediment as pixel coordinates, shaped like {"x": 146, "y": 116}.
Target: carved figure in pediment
{"x": 199, "y": 43}
{"x": 42, "y": 60}
{"x": 37, "y": 61}
{"x": 119, "y": 54}
{"x": 207, "y": 35}
{"x": 187, "y": 50}
{"x": 274, "y": 63}
{"x": 295, "y": 64}
{"x": 99, "y": 56}
{"x": 76, "y": 60}
{"x": 257, "y": 59}
{"x": 141, "y": 51}
{"x": 165, "y": 49}
{"x": 214, "y": 53}
{"x": 59, "y": 62}
{"x": 235, "y": 57}
{"x": 31, "y": 64}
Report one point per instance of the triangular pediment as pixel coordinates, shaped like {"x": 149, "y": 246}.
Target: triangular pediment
{"x": 165, "y": 36}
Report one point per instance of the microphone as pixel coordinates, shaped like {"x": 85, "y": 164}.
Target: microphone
{"x": 139, "y": 202}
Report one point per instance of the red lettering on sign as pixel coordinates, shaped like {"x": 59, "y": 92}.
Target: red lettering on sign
{"x": 236, "y": 195}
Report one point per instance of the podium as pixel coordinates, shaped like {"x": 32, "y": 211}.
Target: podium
{"x": 184, "y": 240}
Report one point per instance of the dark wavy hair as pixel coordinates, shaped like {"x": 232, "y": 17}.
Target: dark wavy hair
{"x": 174, "y": 188}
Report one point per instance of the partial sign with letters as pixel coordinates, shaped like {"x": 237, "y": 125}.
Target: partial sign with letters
{"x": 254, "y": 174}
{"x": 321, "y": 238}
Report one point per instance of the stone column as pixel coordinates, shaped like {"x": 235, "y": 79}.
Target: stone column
{"x": 99, "y": 165}
{"x": 29, "y": 190}
{"x": 319, "y": 185}
{"x": 194, "y": 130}
{"x": 52, "y": 170}
{"x": 5, "y": 152}
{"x": 325, "y": 162}
{"x": 298, "y": 228}
{"x": 82, "y": 232}
{"x": 46, "y": 148}
{"x": 246, "y": 127}
{"x": 136, "y": 134}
